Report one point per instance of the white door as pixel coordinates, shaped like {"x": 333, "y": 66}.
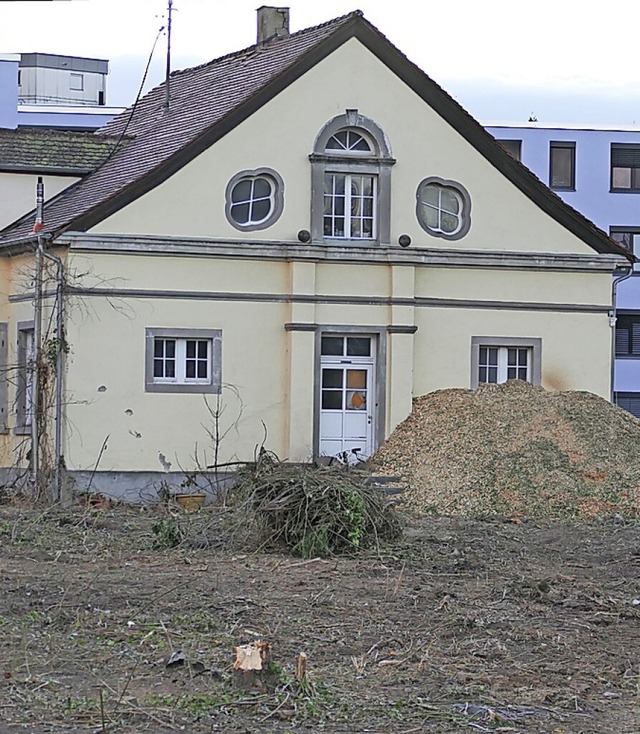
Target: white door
{"x": 347, "y": 396}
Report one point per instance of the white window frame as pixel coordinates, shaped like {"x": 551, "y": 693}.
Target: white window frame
{"x": 502, "y": 365}
{"x": 463, "y": 214}
{"x": 180, "y": 382}
{"x": 503, "y": 344}
{"x": 26, "y": 367}
{"x": 276, "y": 198}
{"x": 350, "y": 217}
{"x": 375, "y": 162}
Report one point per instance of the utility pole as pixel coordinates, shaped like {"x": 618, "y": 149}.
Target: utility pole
{"x": 167, "y": 90}
{"x": 32, "y": 401}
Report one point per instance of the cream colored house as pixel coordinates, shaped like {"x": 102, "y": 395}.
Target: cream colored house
{"x": 312, "y": 234}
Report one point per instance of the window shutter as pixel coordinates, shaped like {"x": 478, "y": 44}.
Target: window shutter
{"x": 629, "y": 402}
{"x": 635, "y": 338}
{"x": 625, "y": 156}
{"x": 622, "y": 341}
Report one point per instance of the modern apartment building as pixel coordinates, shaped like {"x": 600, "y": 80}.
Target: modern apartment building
{"x": 597, "y": 171}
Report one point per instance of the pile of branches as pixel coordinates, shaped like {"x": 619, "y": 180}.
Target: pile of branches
{"x": 314, "y": 510}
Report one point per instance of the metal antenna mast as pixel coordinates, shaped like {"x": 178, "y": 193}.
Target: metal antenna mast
{"x": 167, "y": 91}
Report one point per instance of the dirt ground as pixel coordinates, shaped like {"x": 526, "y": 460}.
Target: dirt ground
{"x": 463, "y": 625}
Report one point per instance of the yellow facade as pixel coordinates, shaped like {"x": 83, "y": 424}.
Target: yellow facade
{"x": 170, "y": 259}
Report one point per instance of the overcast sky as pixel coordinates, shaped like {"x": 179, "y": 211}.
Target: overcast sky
{"x": 560, "y": 60}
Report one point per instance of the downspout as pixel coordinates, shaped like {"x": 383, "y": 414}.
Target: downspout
{"x": 57, "y": 494}
{"x": 612, "y": 323}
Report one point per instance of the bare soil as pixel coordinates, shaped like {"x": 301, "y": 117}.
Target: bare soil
{"x": 462, "y": 625}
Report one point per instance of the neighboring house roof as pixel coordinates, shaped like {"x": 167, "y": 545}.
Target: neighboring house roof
{"x": 208, "y": 101}
{"x": 65, "y": 153}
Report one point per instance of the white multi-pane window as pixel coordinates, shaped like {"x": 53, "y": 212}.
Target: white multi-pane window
{"x": 351, "y": 183}
{"x": 252, "y": 200}
{"x": 499, "y": 364}
{"x": 348, "y": 141}
{"x": 443, "y": 208}
{"x": 25, "y": 397}
{"x": 182, "y": 361}
{"x": 30, "y": 368}
{"x": 349, "y": 205}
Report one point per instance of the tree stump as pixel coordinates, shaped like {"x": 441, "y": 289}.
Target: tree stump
{"x": 252, "y": 669}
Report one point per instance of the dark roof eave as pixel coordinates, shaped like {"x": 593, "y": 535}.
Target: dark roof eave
{"x": 44, "y": 170}
{"x": 18, "y": 245}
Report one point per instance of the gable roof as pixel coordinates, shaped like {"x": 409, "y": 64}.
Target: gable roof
{"x": 234, "y": 86}
{"x": 58, "y": 152}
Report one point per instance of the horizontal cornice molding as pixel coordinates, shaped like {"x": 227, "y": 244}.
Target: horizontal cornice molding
{"x": 295, "y": 251}
{"x": 342, "y": 300}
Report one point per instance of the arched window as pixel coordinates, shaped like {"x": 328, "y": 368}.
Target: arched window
{"x": 350, "y": 182}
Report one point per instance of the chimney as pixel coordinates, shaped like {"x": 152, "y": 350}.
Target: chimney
{"x": 272, "y": 23}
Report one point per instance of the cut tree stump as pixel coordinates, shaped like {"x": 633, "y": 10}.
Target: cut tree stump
{"x": 252, "y": 669}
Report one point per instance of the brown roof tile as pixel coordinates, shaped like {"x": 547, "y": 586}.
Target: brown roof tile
{"x": 201, "y": 98}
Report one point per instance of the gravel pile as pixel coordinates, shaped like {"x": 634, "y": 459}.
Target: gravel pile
{"x": 516, "y": 449}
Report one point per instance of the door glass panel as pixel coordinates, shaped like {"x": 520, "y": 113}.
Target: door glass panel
{"x": 332, "y": 378}
{"x": 356, "y": 399}
{"x": 332, "y": 399}
{"x": 358, "y": 346}
{"x": 357, "y": 379}
{"x": 332, "y": 345}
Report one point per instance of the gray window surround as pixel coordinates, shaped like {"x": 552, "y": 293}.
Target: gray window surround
{"x": 4, "y": 379}
{"x": 533, "y": 343}
{"x": 214, "y": 335}
{"x": 627, "y": 320}
{"x": 555, "y": 145}
{"x": 22, "y": 427}
{"x": 634, "y": 232}
{"x": 380, "y": 335}
{"x": 465, "y": 214}
{"x": 337, "y": 161}
{"x": 278, "y": 198}
{"x": 617, "y": 151}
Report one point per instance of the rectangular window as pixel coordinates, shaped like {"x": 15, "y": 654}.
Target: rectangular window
{"x": 76, "y": 82}
{"x": 625, "y": 167}
{"x": 629, "y": 401}
{"x": 183, "y": 360}
{"x": 499, "y": 364}
{"x": 562, "y": 165}
{"x": 24, "y": 383}
{"x": 349, "y": 206}
{"x": 628, "y": 237}
{"x": 628, "y": 335}
{"x": 498, "y": 359}
{"x": 513, "y": 148}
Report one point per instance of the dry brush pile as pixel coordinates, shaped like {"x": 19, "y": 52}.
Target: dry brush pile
{"x": 516, "y": 448}
{"x": 313, "y": 510}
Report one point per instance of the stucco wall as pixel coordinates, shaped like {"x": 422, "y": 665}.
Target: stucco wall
{"x": 18, "y": 193}
{"x": 268, "y": 371}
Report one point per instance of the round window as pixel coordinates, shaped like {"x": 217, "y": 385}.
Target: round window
{"x": 254, "y": 199}
{"x": 443, "y": 208}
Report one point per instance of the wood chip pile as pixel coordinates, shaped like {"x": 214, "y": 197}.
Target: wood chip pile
{"x": 516, "y": 449}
